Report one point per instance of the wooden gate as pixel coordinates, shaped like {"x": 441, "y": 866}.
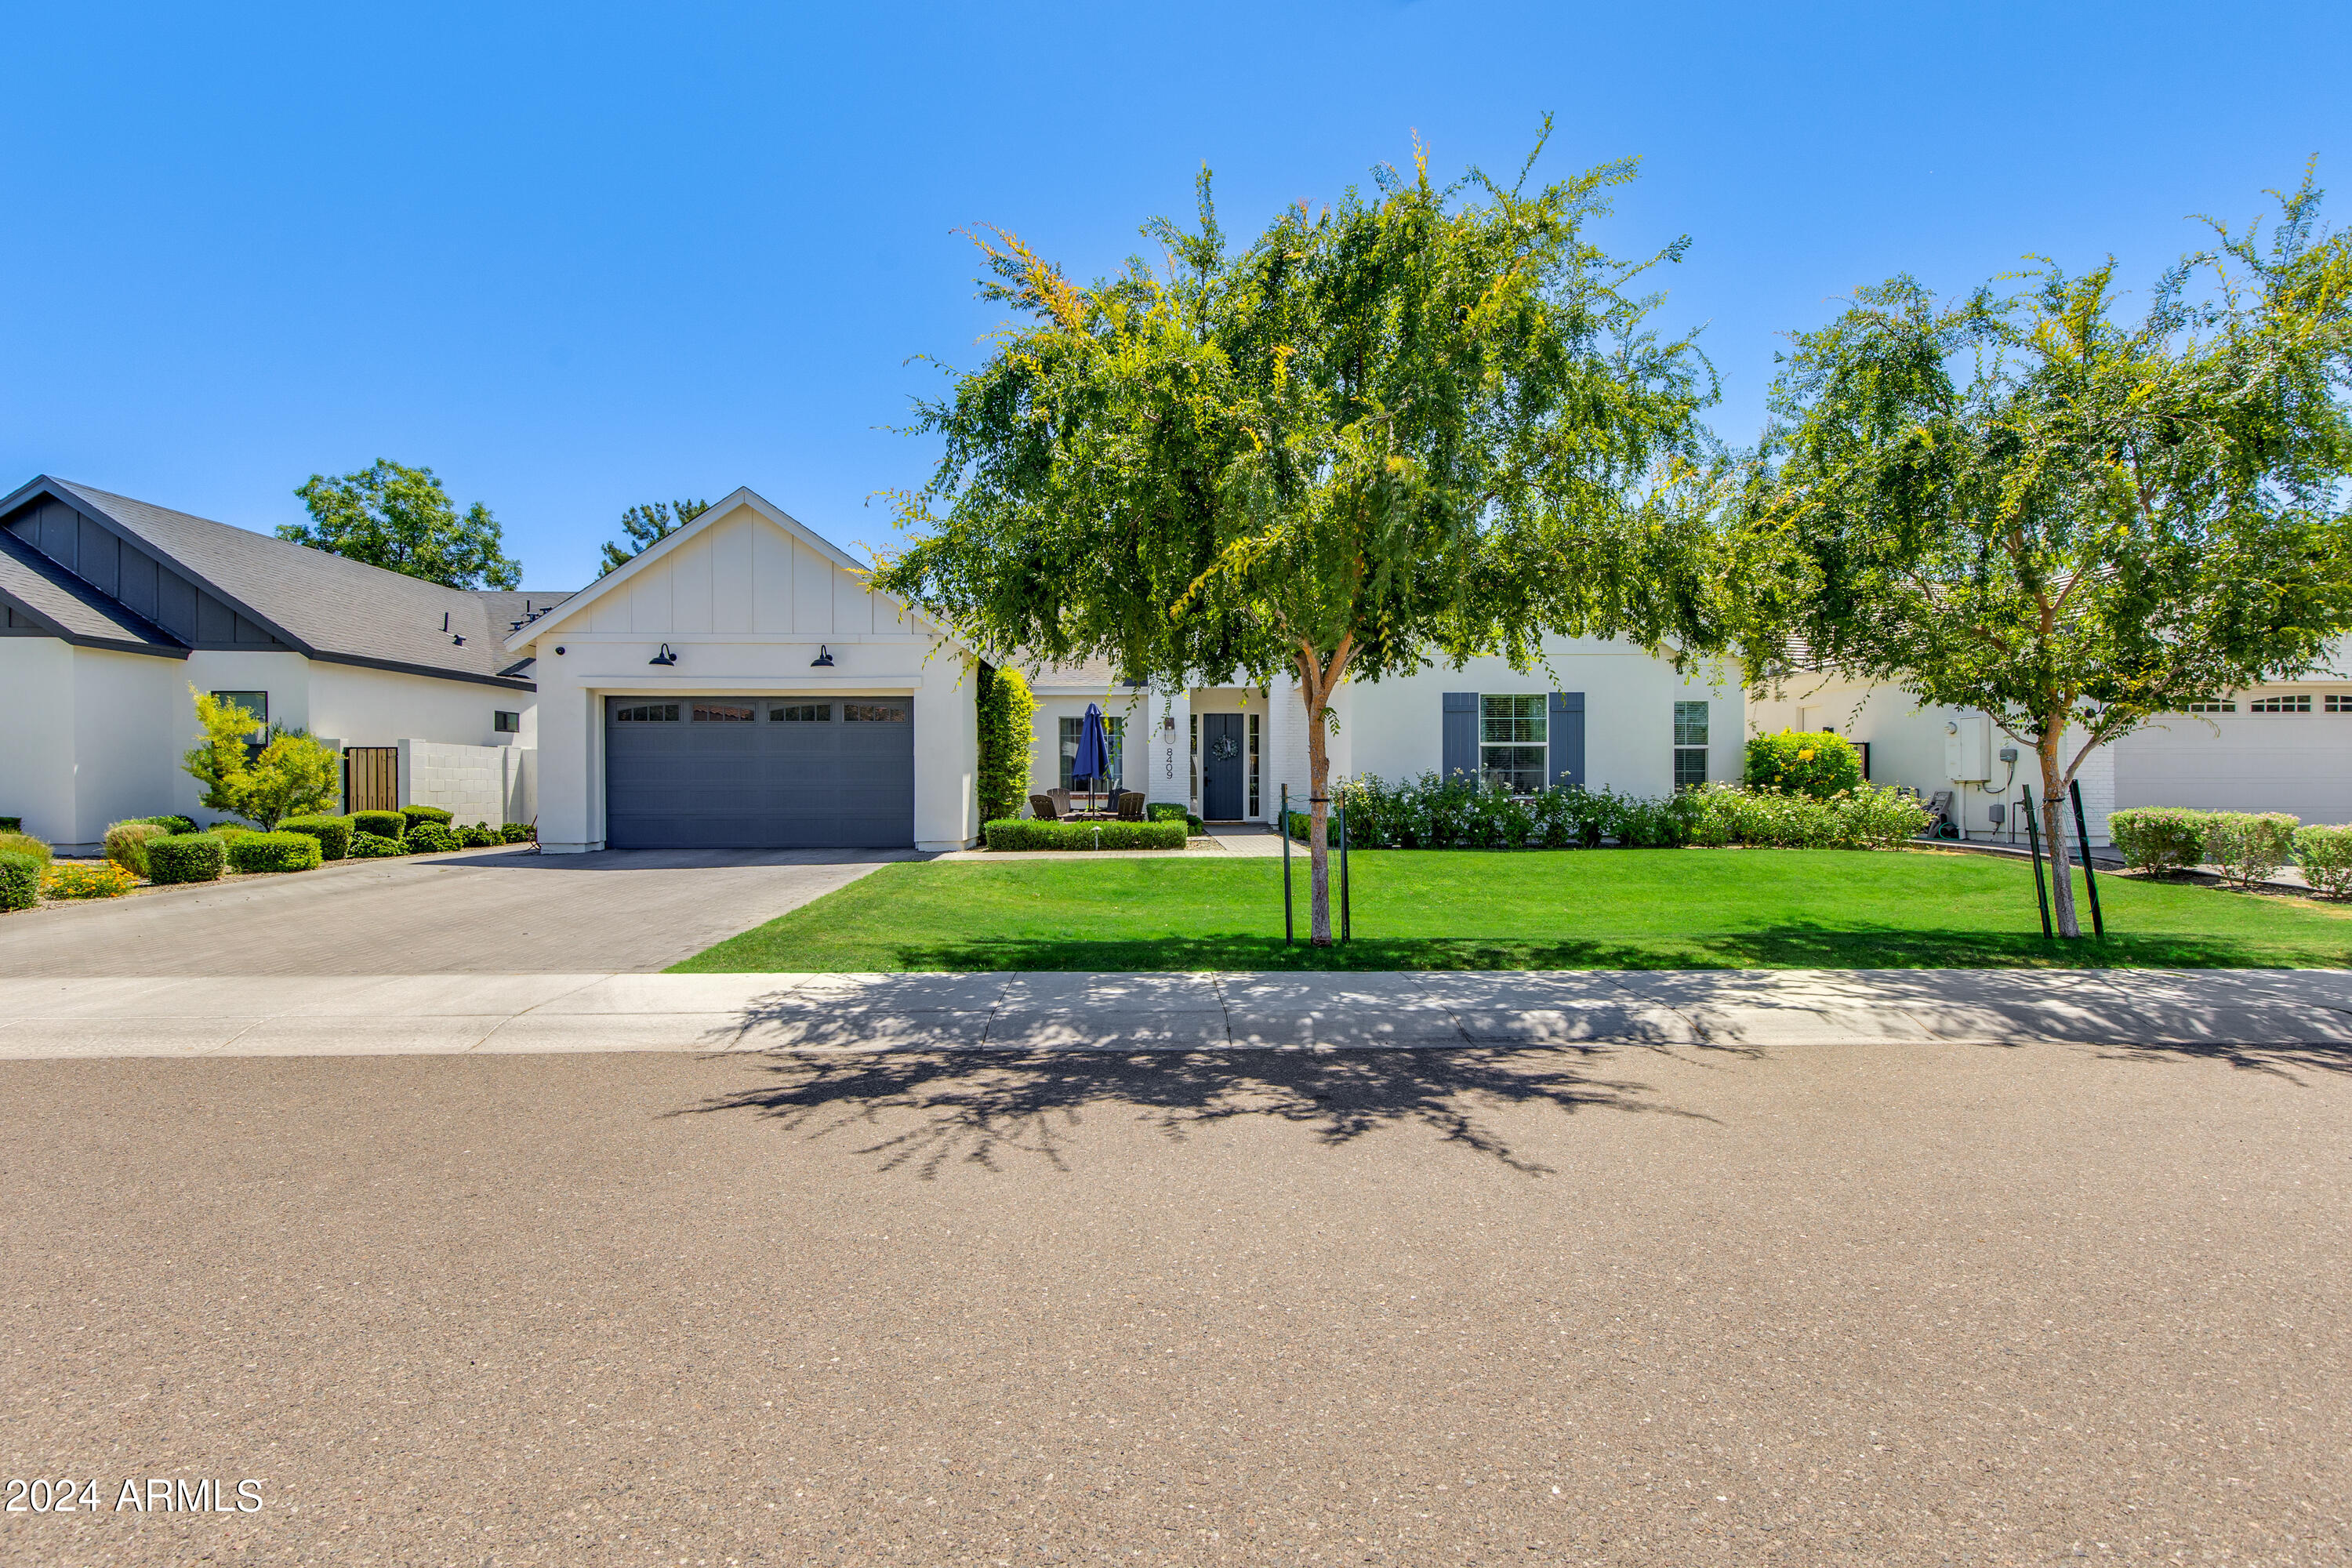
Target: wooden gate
{"x": 372, "y": 778}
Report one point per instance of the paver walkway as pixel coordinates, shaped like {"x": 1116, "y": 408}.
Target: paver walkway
{"x": 484, "y": 912}
{"x": 355, "y": 1014}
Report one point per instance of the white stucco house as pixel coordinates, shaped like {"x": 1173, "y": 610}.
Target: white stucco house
{"x": 2286, "y": 747}
{"x": 739, "y": 686}
{"x": 112, "y": 609}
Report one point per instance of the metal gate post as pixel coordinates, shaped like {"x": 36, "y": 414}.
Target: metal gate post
{"x": 2082, "y": 838}
{"x": 2033, "y": 837}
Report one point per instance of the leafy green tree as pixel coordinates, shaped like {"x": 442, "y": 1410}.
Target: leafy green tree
{"x": 399, "y": 517}
{"x": 647, "y": 526}
{"x": 288, "y": 775}
{"x": 2073, "y": 522}
{"x": 1424, "y": 423}
{"x": 1006, "y": 710}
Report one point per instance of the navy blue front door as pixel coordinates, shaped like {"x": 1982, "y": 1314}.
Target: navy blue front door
{"x": 1222, "y": 764}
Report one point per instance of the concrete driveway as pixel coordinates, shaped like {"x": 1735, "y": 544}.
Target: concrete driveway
{"x": 489, "y": 912}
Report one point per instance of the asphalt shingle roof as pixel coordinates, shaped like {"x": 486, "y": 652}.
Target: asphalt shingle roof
{"x": 335, "y": 607}
{"x": 53, "y": 593}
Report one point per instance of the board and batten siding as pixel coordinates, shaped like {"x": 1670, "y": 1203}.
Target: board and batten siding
{"x": 743, "y": 576}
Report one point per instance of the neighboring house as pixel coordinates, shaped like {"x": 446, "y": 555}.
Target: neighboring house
{"x": 111, "y": 610}
{"x": 739, "y": 686}
{"x": 2284, "y": 747}
{"x": 1604, "y": 715}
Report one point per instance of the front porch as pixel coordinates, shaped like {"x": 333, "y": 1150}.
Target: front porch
{"x": 1209, "y": 749}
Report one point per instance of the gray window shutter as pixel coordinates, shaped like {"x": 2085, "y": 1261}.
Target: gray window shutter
{"x": 1461, "y": 734}
{"x": 1567, "y": 728}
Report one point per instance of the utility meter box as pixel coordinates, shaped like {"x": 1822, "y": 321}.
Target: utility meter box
{"x": 1967, "y": 749}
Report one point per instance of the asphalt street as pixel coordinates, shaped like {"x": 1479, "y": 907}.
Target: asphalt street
{"x": 1901, "y": 1302}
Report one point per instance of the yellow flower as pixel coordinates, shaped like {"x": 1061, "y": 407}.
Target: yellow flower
{"x": 1806, "y": 755}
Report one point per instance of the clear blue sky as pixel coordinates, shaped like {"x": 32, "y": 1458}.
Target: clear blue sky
{"x": 573, "y": 258}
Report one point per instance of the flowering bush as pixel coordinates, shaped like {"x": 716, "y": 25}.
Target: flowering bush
{"x": 1819, "y": 763}
{"x": 105, "y": 879}
{"x": 1431, "y": 813}
{"x": 2324, "y": 855}
{"x": 2246, "y": 846}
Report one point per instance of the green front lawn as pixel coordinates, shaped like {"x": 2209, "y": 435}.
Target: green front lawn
{"x": 1594, "y": 908}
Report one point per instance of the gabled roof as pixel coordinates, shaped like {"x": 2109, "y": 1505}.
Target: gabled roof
{"x": 324, "y": 605}
{"x": 711, "y": 516}
{"x": 35, "y": 586}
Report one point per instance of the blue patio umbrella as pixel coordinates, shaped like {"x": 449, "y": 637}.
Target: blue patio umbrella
{"x": 1093, "y": 760}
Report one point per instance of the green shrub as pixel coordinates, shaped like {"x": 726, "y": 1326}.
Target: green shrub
{"x": 413, "y": 815}
{"x": 258, "y": 852}
{"x": 1006, "y": 710}
{"x": 429, "y": 838}
{"x": 1818, "y": 763}
{"x": 26, "y": 844}
{"x": 168, "y": 823}
{"x": 519, "y": 832}
{"x": 2324, "y": 855}
{"x": 186, "y": 858}
{"x": 12, "y": 824}
{"x": 1027, "y": 833}
{"x": 126, "y": 845}
{"x": 2160, "y": 839}
{"x": 2248, "y": 846}
{"x": 477, "y": 835}
{"x": 374, "y": 846}
{"x": 333, "y": 833}
{"x": 382, "y": 823}
{"x": 229, "y": 832}
{"x": 20, "y": 878}
{"x": 1168, "y": 810}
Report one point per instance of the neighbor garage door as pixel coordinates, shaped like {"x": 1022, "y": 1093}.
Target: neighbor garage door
{"x": 738, "y": 772}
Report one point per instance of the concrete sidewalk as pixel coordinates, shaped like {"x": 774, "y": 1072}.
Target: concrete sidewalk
{"x": 455, "y": 1014}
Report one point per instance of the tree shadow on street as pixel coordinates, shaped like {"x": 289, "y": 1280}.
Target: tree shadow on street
{"x": 918, "y": 1111}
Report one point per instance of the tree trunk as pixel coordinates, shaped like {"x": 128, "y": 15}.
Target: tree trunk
{"x": 1318, "y": 679}
{"x": 2054, "y": 830}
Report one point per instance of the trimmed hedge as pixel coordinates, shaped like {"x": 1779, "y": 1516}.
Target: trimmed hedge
{"x": 382, "y": 823}
{"x": 186, "y": 858}
{"x": 429, "y": 838}
{"x": 20, "y": 881}
{"x": 374, "y": 846}
{"x": 167, "y": 823}
{"x": 1818, "y": 763}
{"x": 2324, "y": 855}
{"x": 479, "y": 836}
{"x": 1030, "y": 834}
{"x": 432, "y": 814}
{"x": 229, "y": 832}
{"x": 519, "y": 832}
{"x": 1168, "y": 810}
{"x": 26, "y": 844}
{"x": 126, "y": 845}
{"x": 2248, "y": 846}
{"x": 333, "y": 833}
{"x": 261, "y": 852}
{"x": 2160, "y": 839}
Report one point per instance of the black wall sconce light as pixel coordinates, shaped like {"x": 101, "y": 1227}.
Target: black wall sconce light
{"x": 665, "y": 657}
{"x": 822, "y": 660}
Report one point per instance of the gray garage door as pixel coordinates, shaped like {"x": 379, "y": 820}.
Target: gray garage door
{"x": 770, "y": 772}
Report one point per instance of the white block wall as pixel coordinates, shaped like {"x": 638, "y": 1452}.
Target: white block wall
{"x": 473, "y": 784}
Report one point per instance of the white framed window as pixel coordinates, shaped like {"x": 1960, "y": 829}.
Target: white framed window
{"x": 1253, "y": 765}
{"x": 2339, "y": 702}
{"x": 1690, "y": 744}
{"x": 2298, "y": 703}
{"x": 1114, "y": 730}
{"x": 1514, "y": 741}
{"x": 1196, "y": 762}
{"x": 2214, "y": 707}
